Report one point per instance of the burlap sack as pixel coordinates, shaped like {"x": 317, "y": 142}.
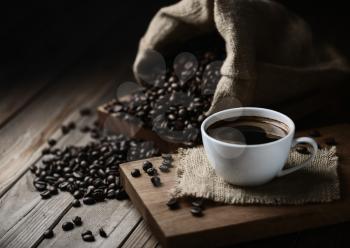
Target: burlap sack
{"x": 270, "y": 55}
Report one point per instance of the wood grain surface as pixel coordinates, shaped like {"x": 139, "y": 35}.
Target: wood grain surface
{"x": 223, "y": 225}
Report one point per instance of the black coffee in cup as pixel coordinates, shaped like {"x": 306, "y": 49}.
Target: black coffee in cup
{"x": 249, "y": 130}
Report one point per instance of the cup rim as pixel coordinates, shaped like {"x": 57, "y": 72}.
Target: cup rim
{"x": 204, "y": 133}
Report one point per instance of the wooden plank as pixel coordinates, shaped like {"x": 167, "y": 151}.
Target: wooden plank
{"x": 141, "y": 237}
{"x": 176, "y": 228}
{"x": 117, "y": 218}
{"x": 23, "y": 137}
{"x": 22, "y": 198}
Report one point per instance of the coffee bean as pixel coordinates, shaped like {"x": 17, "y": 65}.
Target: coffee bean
{"x": 156, "y": 181}
{"x": 163, "y": 168}
{"x": 102, "y": 232}
{"x": 65, "y": 129}
{"x": 67, "y": 226}
{"x": 147, "y": 165}
{"x": 85, "y": 112}
{"x": 40, "y": 185}
{"x": 151, "y": 171}
{"x": 111, "y": 194}
{"x": 77, "y": 221}
{"x": 89, "y": 201}
{"x": 45, "y": 194}
{"x": 78, "y": 194}
{"x": 52, "y": 142}
{"x": 48, "y": 234}
{"x": 330, "y": 141}
{"x": 88, "y": 237}
{"x": 53, "y": 190}
{"x": 196, "y": 211}
{"x": 71, "y": 125}
{"x": 85, "y": 129}
{"x": 46, "y": 151}
{"x": 198, "y": 203}
{"x": 76, "y": 203}
{"x": 173, "y": 204}
{"x": 315, "y": 133}
{"x": 167, "y": 156}
{"x": 136, "y": 173}
{"x": 121, "y": 194}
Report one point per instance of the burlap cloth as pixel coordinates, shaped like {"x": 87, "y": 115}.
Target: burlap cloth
{"x": 316, "y": 183}
{"x": 271, "y": 57}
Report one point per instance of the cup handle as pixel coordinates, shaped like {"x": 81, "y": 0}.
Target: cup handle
{"x": 297, "y": 141}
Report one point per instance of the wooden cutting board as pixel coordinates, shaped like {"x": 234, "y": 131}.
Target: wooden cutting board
{"x": 228, "y": 224}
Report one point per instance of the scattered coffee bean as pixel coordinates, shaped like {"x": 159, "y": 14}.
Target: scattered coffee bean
{"x": 87, "y": 236}
{"x": 167, "y": 156}
{"x": 71, "y": 125}
{"x": 164, "y": 168}
{"x": 196, "y": 211}
{"x": 121, "y": 194}
{"x": 52, "y": 142}
{"x": 77, "y": 221}
{"x": 53, "y": 190}
{"x": 46, "y": 151}
{"x": 330, "y": 141}
{"x": 156, "y": 181}
{"x": 65, "y": 129}
{"x": 76, "y": 203}
{"x": 136, "y": 173}
{"x": 85, "y": 112}
{"x": 48, "y": 234}
{"x": 198, "y": 203}
{"x": 152, "y": 171}
{"x": 102, "y": 232}
{"x": 89, "y": 201}
{"x": 45, "y": 194}
{"x": 147, "y": 165}
{"x": 67, "y": 226}
{"x": 85, "y": 129}
{"x": 315, "y": 133}
{"x": 302, "y": 150}
{"x": 173, "y": 204}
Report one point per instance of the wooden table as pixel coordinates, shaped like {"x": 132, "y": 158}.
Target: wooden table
{"x": 84, "y": 75}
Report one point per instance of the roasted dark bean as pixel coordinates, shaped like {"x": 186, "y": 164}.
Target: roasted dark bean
{"x": 196, "y": 211}
{"x": 147, "y": 165}
{"x": 67, "y": 226}
{"x": 85, "y": 112}
{"x": 156, "y": 181}
{"x": 136, "y": 173}
{"x": 151, "y": 171}
{"x": 89, "y": 201}
{"x": 48, "y": 234}
{"x": 65, "y": 129}
{"x": 45, "y": 194}
{"x": 52, "y": 142}
{"x": 102, "y": 232}
{"x": 173, "y": 204}
{"x": 76, "y": 203}
{"x": 164, "y": 168}
{"x": 121, "y": 194}
{"x": 77, "y": 221}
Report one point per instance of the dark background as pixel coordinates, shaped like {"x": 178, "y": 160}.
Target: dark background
{"x": 36, "y": 34}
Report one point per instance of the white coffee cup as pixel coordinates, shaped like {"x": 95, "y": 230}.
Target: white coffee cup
{"x": 250, "y": 165}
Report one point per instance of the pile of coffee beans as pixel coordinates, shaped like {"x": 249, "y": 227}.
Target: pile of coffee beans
{"x": 91, "y": 172}
{"x": 174, "y": 105}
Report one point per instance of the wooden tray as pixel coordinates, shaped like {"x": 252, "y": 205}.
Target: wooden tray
{"x": 228, "y": 224}
{"x": 117, "y": 124}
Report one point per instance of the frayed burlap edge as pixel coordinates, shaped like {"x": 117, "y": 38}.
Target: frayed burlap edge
{"x": 214, "y": 188}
